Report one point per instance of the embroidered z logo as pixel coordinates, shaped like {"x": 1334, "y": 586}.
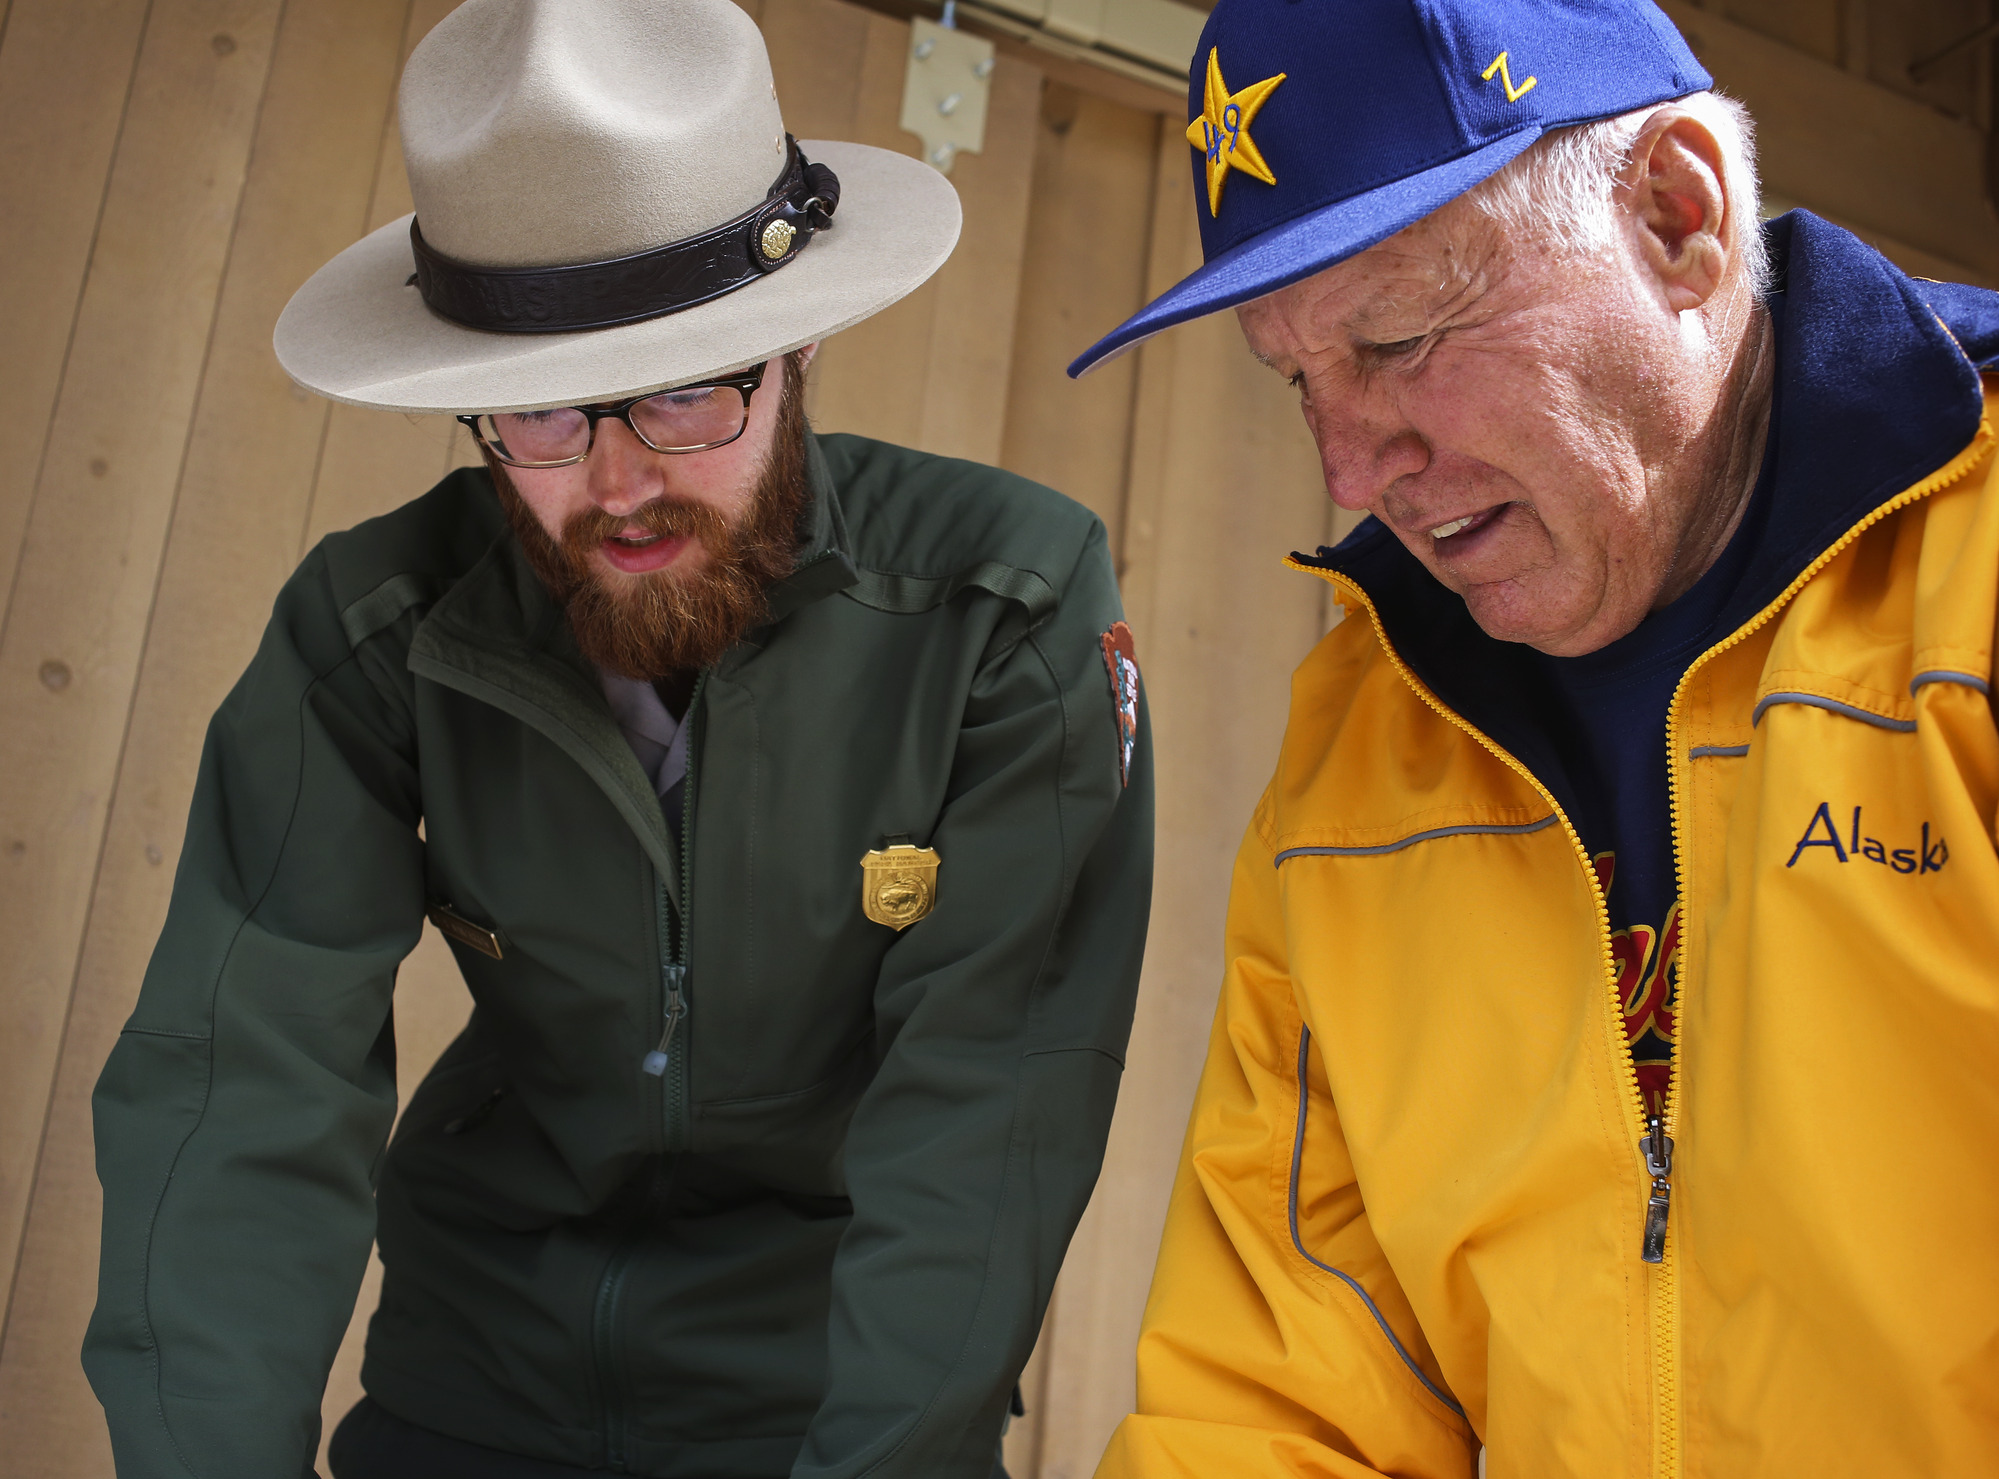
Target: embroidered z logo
{"x": 1513, "y": 94}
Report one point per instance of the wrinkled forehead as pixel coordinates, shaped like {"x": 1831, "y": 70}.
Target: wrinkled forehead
{"x": 1392, "y": 290}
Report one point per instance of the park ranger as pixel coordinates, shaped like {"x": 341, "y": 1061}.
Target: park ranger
{"x": 786, "y": 800}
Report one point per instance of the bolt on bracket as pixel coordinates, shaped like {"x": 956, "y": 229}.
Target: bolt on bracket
{"x": 944, "y": 90}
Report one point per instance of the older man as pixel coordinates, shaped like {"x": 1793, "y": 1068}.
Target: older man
{"x": 785, "y": 798}
{"x": 1603, "y": 1070}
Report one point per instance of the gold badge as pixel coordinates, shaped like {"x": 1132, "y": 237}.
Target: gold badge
{"x": 899, "y": 884}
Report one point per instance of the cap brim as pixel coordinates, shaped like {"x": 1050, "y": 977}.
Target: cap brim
{"x": 357, "y": 332}
{"x": 1306, "y": 244}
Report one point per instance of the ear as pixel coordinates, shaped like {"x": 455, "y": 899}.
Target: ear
{"x": 1678, "y": 207}
{"x": 808, "y": 352}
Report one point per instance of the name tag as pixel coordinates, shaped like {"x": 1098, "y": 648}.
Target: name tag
{"x": 455, "y": 926}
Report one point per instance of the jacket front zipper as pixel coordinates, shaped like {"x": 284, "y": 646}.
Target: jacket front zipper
{"x": 604, "y": 1321}
{"x": 663, "y": 1062}
{"x": 668, "y": 1063}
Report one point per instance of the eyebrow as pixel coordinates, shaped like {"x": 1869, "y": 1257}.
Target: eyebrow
{"x": 1423, "y": 303}
{"x": 1428, "y": 305}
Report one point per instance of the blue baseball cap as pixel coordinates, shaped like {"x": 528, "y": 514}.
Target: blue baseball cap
{"x": 1320, "y": 127}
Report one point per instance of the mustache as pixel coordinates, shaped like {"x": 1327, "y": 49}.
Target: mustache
{"x": 672, "y": 518}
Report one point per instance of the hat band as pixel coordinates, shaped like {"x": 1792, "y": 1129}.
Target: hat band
{"x": 651, "y": 284}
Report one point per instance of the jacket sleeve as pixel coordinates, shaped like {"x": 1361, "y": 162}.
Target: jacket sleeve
{"x": 1276, "y": 1340}
{"x": 240, "y": 1115}
{"x": 1001, "y": 1022}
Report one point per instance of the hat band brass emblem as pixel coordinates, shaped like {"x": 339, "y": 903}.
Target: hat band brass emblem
{"x": 899, "y": 884}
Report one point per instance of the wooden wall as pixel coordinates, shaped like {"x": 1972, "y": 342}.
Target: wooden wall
{"x": 171, "y": 169}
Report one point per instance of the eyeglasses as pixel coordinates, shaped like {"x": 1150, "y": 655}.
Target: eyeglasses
{"x": 689, "y": 418}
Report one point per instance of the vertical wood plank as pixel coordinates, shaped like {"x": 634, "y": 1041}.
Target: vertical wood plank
{"x": 1084, "y": 264}
{"x": 1088, "y": 225}
{"x": 243, "y": 488}
{"x": 373, "y": 461}
{"x": 65, "y": 71}
{"x": 873, "y": 378}
{"x": 1173, "y": 249}
{"x": 1224, "y": 483}
{"x": 77, "y": 614}
{"x": 930, "y": 371}
{"x": 977, "y": 292}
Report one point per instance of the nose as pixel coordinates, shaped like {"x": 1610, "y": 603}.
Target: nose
{"x": 1360, "y": 454}
{"x": 625, "y": 474}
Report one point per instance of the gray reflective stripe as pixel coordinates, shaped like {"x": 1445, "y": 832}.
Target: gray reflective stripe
{"x": 1702, "y": 752}
{"x": 1410, "y": 841}
{"x": 1831, "y": 706}
{"x": 1297, "y": 1160}
{"x": 1945, "y": 675}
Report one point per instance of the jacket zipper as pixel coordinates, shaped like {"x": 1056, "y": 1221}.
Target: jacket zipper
{"x": 670, "y": 1067}
{"x": 663, "y": 1062}
{"x": 1655, "y": 1144}
{"x": 604, "y": 1325}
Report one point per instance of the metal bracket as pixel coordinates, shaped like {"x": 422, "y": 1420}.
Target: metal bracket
{"x": 944, "y": 91}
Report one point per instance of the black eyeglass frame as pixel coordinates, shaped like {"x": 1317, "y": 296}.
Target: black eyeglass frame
{"x": 744, "y": 382}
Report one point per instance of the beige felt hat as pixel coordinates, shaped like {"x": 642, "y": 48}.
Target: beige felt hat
{"x": 606, "y": 203}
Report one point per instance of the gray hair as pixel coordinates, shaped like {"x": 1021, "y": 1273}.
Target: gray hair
{"x": 1562, "y": 186}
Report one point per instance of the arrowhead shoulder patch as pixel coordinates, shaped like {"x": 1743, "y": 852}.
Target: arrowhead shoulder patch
{"x": 1121, "y": 663}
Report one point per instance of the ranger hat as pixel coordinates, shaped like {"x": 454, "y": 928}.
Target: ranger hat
{"x": 1320, "y": 127}
{"x": 607, "y": 203}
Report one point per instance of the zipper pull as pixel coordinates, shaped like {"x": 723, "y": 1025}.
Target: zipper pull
{"x": 676, "y": 1008}
{"x": 1658, "y": 1150}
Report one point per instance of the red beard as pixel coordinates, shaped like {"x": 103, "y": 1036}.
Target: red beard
{"x": 670, "y": 621}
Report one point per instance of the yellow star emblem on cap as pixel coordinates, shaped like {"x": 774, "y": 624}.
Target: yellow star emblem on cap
{"x": 1222, "y": 130}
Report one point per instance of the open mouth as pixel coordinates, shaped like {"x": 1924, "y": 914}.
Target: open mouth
{"x": 640, "y": 552}
{"x": 1469, "y": 524}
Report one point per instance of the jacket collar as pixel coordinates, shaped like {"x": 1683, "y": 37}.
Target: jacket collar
{"x": 825, "y": 562}
{"x": 1876, "y": 388}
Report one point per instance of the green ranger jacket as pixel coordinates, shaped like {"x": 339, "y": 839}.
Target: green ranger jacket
{"x": 821, "y": 1240}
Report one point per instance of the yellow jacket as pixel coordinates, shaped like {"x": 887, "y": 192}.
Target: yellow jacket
{"x": 1409, "y": 1214}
